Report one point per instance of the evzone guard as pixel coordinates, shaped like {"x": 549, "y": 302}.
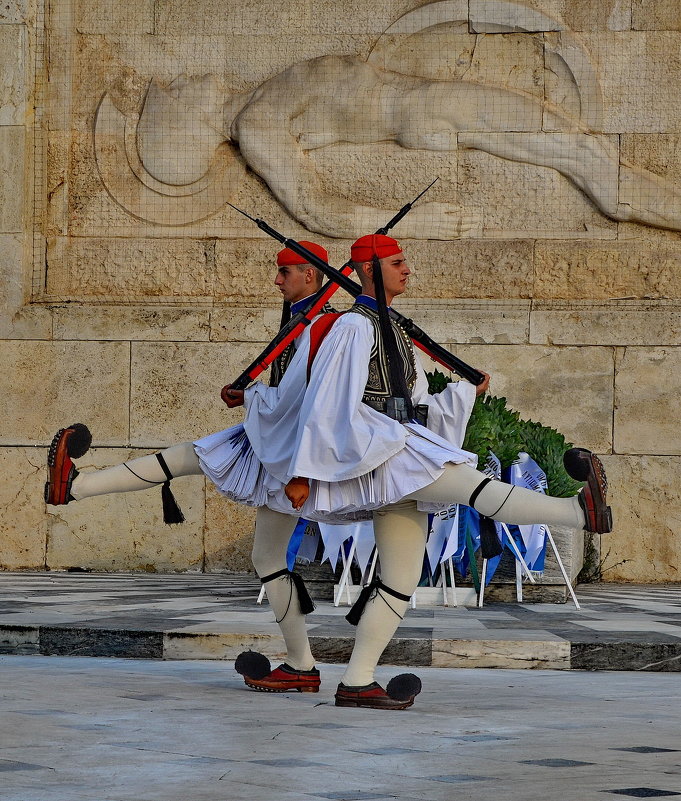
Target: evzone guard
{"x": 350, "y": 432}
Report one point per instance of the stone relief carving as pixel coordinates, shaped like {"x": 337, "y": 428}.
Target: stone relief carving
{"x": 184, "y": 156}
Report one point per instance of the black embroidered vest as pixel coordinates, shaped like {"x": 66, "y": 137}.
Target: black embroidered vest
{"x": 377, "y": 390}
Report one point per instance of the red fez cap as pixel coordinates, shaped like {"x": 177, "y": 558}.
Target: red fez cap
{"x": 380, "y": 245}
{"x": 287, "y": 256}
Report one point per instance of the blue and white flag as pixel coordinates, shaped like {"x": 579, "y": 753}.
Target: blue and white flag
{"x": 525, "y": 472}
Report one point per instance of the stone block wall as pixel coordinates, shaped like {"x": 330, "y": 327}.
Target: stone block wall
{"x": 132, "y": 292}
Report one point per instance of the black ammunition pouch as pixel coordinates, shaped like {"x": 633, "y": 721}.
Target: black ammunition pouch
{"x": 396, "y": 409}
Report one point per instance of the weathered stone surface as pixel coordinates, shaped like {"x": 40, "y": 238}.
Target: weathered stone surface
{"x": 544, "y": 655}
{"x": 17, "y": 320}
{"x": 228, "y": 538}
{"x": 175, "y": 390}
{"x": 129, "y": 269}
{"x": 497, "y": 17}
{"x": 576, "y": 15}
{"x": 256, "y": 324}
{"x": 324, "y": 17}
{"x": 226, "y": 645}
{"x": 73, "y": 641}
{"x": 584, "y": 15}
{"x": 579, "y": 270}
{"x": 357, "y": 172}
{"x": 642, "y": 59}
{"x": 470, "y": 269}
{"x": 645, "y": 545}
{"x": 449, "y": 52}
{"x": 647, "y": 386}
{"x": 23, "y": 527}
{"x": 13, "y": 75}
{"x": 614, "y": 323}
{"x": 524, "y": 200}
{"x": 19, "y": 639}
{"x": 125, "y": 531}
{"x": 105, "y": 17}
{"x": 655, "y": 152}
{"x": 156, "y": 323}
{"x": 570, "y": 389}
{"x": 657, "y": 15}
{"x": 12, "y": 197}
{"x": 46, "y": 385}
{"x": 13, "y": 11}
{"x": 495, "y": 322}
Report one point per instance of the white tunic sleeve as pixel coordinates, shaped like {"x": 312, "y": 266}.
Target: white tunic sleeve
{"x": 338, "y": 436}
{"x": 449, "y": 410}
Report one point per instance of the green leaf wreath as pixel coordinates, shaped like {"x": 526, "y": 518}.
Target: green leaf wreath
{"x": 495, "y": 427}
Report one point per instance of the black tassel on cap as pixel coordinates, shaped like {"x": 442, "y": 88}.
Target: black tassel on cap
{"x": 490, "y": 544}
{"x": 172, "y": 514}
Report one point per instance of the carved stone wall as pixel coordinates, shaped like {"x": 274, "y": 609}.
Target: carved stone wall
{"x": 548, "y": 253}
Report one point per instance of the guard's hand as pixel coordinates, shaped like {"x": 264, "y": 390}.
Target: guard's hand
{"x": 232, "y": 397}
{"x": 297, "y": 491}
{"x": 484, "y": 386}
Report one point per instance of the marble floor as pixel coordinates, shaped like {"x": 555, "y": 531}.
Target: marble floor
{"x": 86, "y": 729}
{"x": 199, "y": 616}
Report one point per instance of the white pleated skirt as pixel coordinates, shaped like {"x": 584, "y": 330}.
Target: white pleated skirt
{"x": 228, "y": 460}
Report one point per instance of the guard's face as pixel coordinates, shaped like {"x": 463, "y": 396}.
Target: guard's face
{"x": 396, "y": 273}
{"x": 294, "y": 283}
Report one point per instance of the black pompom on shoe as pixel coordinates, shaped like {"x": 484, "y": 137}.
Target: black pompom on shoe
{"x": 252, "y": 664}
{"x": 404, "y": 687}
{"x": 79, "y": 441}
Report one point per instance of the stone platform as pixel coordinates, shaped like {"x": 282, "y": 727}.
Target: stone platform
{"x": 199, "y": 616}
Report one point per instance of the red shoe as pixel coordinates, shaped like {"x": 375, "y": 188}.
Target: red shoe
{"x": 400, "y": 693}
{"x": 284, "y": 679}
{"x": 73, "y": 441}
{"x": 583, "y": 465}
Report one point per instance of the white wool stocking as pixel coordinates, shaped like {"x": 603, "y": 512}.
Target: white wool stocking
{"x": 272, "y": 534}
{"x": 400, "y": 532}
{"x": 137, "y": 474}
{"x": 501, "y": 501}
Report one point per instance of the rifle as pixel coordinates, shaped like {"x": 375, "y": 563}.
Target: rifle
{"x": 340, "y": 278}
{"x": 297, "y": 324}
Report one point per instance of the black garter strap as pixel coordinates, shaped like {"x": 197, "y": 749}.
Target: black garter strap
{"x": 368, "y": 593}
{"x": 474, "y": 495}
{"x": 304, "y": 600}
{"x": 171, "y": 511}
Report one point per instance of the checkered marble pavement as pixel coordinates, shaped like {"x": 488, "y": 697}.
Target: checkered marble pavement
{"x": 215, "y": 616}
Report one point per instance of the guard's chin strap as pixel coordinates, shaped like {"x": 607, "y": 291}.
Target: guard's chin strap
{"x": 371, "y": 591}
{"x": 305, "y": 602}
